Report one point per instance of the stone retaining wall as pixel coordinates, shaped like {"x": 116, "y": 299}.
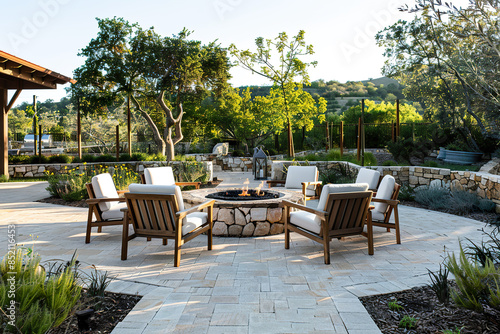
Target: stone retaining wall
{"x": 38, "y": 170}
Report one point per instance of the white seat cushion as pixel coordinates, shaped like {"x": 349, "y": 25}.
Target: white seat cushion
{"x": 298, "y": 174}
{"x": 159, "y": 176}
{"x": 193, "y": 220}
{"x": 159, "y": 190}
{"x": 377, "y": 216}
{"x": 306, "y": 220}
{"x": 339, "y": 188}
{"x": 369, "y": 176}
{"x": 384, "y": 191}
{"x": 104, "y": 187}
{"x": 115, "y": 212}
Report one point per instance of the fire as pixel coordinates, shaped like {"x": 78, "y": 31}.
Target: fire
{"x": 244, "y": 190}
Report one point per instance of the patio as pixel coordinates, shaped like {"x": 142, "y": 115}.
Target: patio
{"x": 244, "y": 285}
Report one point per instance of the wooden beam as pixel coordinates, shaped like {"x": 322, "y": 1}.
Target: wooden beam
{"x": 4, "y": 138}
{"x": 13, "y": 100}
{"x": 16, "y": 73}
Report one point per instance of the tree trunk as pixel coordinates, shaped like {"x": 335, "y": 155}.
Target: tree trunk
{"x": 160, "y": 143}
{"x": 171, "y": 122}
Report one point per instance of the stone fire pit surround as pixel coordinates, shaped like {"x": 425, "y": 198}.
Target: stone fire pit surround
{"x": 245, "y": 218}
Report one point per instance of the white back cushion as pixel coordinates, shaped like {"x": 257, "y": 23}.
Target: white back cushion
{"x": 104, "y": 187}
{"x": 159, "y": 190}
{"x": 369, "y": 176}
{"x": 159, "y": 175}
{"x": 298, "y": 174}
{"x": 339, "y": 188}
{"x": 384, "y": 191}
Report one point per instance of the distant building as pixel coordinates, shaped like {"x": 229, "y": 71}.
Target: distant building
{"x": 29, "y": 141}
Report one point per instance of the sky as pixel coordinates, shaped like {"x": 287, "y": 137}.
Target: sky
{"x": 50, "y": 33}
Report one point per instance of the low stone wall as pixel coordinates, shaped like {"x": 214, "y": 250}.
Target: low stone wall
{"x": 483, "y": 183}
{"x": 38, "y": 170}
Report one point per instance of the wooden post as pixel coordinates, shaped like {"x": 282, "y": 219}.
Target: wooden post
{"x": 341, "y": 134}
{"x": 393, "y": 135}
{"x": 397, "y": 119}
{"x": 117, "y": 143}
{"x": 34, "y": 125}
{"x": 327, "y": 137}
{"x": 129, "y": 126}
{"x": 4, "y": 134}
{"x": 358, "y": 142}
{"x": 39, "y": 143}
{"x": 79, "y": 130}
{"x": 362, "y": 132}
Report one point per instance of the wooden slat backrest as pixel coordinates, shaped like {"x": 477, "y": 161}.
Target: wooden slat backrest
{"x": 394, "y": 197}
{"x": 347, "y": 211}
{"x": 97, "y": 208}
{"x": 153, "y": 213}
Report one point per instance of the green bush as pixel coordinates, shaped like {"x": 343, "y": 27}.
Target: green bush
{"x": 430, "y": 163}
{"x": 341, "y": 173}
{"x": 41, "y": 301}
{"x": 139, "y": 157}
{"x": 181, "y": 157}
{"x": 88, "y": 158}
{"x": 60, "y": 158}
{"x": 191, "y": 172}
{"x": 19, "y": 159}
{"x": 105, "y": 158}
{"x": 486, "y": 205}
{"x": 238, "y": 153}
{"x": 125, "y": 157}
{"x": 4, "y": 178}
{"x": 271, "y": 151}
{"x": 433, "y": 197}
{"x": 406, "y": 192}
{"x": 389, "y": 163}
{"x": 158, "y": 157}
{"x": 37, "y": 159}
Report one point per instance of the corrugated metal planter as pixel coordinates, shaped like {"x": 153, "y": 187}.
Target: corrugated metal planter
{"x": 462, "y": 157}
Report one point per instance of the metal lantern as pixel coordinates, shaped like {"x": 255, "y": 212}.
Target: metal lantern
{"x": 259, "y": 164}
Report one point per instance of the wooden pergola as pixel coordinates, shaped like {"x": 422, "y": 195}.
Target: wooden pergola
{"x": 17, "y": 74}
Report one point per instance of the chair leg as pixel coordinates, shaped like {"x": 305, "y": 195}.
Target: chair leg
{"x": 148, "y": 238}
{"x": 369, "y": 231}
{"x": 396, "y": 221}
{"x": 287, "y": 231}
{"x": 165, "y": 241}
{"x": 177, "y": 248}
{"x": 210, "y": 227}
{"x": 125, "y": 238}
{"x": 326, "y": 242}
{"x": 89, "y": 225}
{"x": 99, "y": 229}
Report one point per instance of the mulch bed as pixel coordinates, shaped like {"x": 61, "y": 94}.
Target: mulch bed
{"x": 432, "y": 316}
{"x": 108, "y": 312}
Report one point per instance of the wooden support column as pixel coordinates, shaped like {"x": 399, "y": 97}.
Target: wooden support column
{"x": 397, "y": 119}
{"x": 117, "y": 143}
{"x": 129, "y": 127}
{"x": 327, "y": 138}
{"x": 4, "y": 134}
{"x": 341, "y": 135}
{"x": 79, "y": 130}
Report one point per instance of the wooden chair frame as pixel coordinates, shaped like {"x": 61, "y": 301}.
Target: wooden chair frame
{"x": 196, "y": 185}
{"x": 392, "y": 204}
{"x": 346, "y": 215}
{"x": 158, "y": 216}
{"x": 95, "y": 209}
{"x": 317, "y": 187}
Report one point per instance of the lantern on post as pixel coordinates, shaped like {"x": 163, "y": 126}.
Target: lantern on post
{"x": 259, "y": 164}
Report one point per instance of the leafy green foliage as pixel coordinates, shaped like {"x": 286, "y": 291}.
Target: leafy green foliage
{"x": 60, "y": 158}
{"x": 394, "y": 306}
{"x": 455, "y": 331}
{"x": 41, "y": 302}
{"x": 383, "y": 112}
{"x": 433, "y": 197}
{"x": 341, "y": 173}
{"x": 97, "y": 282}
{"x": 476, "y": 284}
{"x": 406, "y": 192}
{"x": 408, "y": 322}
{"x": 440, "y": 284}
{"x": 406, "y": 149}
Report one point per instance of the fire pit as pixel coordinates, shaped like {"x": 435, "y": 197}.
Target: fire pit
{"x": 244, "y": 216}
{"x": 242, "y": 195}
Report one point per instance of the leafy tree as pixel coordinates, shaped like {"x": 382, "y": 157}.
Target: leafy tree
{"x": 384, "y": 112}
{"x": 457, "y": 51}
{"x": 282, "y": 73}
{"x": 164, "y": 77}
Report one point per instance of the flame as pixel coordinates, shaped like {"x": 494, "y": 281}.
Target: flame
{"x": 244, "y": 190}
{"x": 257, "y": 190}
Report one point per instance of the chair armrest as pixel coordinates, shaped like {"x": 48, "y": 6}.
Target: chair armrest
{"x": 120, "y": 192}
{"x": 272, "y": 183}
{"x": 320, "y": 214}
{"x": 386, "y": 201}
{"x": 199, "y": 207}
{"x": 102, "y": 200}
{"x": 315, "y": 183}
{"x": 196, "y": 184}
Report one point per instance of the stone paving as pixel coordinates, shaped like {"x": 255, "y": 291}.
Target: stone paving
{"x": 244, "y": 285}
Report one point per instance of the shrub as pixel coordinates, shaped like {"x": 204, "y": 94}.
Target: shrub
{"x": 394, "y": 306}
{"x": 41, "y": 302}
{"x": 181, "y": 157}
{"x": 19, "y": 159}
{"x": 341, "y": 173}
{"x": 4, "y": 178}
{"x": 38, "y": 159}
{"x": 139, "y": 157}
{"x": 406, "y": 192}
{"x": 486, "y": 205}
{"x": 430, "y": 163}
{"x": 105, "y": 158}
{"x": 125, "y": 157}
{"x": 433, "y": 197}
{"x": 439, "y": 284}
{"x": 238, "y": 153}
{"x": 158, "y": 157}
{"x": 88, "y": 158}
{"x": 271, "y": 151}
{"x": 408, "y": 322}
{"x": 463, "y": 202}
{"x": 60, "y": 158}
{"x": 191, "y": 172}
{"x": 389, "y": 163}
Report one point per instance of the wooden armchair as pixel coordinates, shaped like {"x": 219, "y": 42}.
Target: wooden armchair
{"x": 164, "y": 176}
{"x": 342, "y": 211}
{"x": 301, "y": 178}
{"x": 104, "y": 203}
{"x": 158, "y": 212}
{"x": 385, "y": 202}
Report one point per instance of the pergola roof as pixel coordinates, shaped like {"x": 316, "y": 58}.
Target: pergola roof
{"x": 19, "y": 74}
